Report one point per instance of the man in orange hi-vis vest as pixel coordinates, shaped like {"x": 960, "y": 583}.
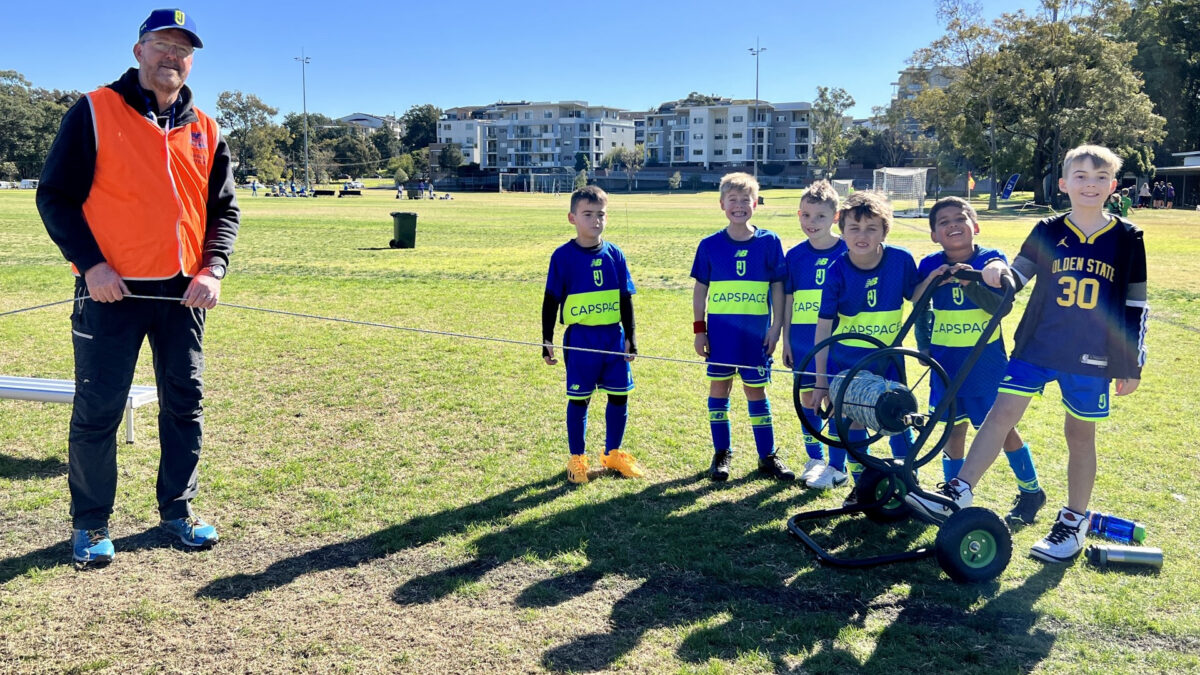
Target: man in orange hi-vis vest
{"x": 138, "y": 194}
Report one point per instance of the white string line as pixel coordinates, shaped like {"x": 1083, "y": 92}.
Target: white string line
{"x": 427, "y": 331}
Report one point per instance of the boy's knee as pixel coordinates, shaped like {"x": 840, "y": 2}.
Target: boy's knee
{"x": 617, "y": 399}
{"x": 581, "y": 402}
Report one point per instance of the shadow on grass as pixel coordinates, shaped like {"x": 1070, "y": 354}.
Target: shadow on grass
{"x": 60, "y": 553}
{"x": 20, "y": 468}
{"x": 723, "y": 573}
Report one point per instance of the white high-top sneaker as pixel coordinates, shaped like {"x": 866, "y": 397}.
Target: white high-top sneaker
{"x": 1065, "y": 540}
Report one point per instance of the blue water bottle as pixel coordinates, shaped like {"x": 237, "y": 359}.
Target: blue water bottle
{"x": 1118, "y": 529}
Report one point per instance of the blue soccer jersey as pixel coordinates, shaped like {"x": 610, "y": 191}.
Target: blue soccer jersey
{"x": 957, "y": 325}
{"x": 870, "y": 302}
{"x": 808, "y": 268}
{"x": 1085, "y": 298}
{"x": 739, "y": 275}
{"x": 588, "y": 283}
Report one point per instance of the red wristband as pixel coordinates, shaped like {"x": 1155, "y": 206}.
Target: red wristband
{"x": 699, "y": 327}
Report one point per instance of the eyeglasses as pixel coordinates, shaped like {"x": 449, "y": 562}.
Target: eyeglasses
{"x": 164, "y": 47}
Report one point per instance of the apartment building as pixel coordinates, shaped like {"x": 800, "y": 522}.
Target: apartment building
{"x": 728, "y": 132}
{"x": 535, "y": 137}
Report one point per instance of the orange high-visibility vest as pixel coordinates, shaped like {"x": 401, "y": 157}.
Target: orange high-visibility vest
{"x": 147, "y": 207}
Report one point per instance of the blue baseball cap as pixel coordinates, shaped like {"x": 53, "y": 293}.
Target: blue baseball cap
{"x": 163, "y": 19}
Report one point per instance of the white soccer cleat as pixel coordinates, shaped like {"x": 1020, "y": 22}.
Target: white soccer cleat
{"x": 956, "y": 491}
{"x": 1065, "y": 540}
{"x": 828, "y": 479}
{"x": 812, "y": 468}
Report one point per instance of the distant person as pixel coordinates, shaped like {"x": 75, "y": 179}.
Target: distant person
{"x": 171, "y": 236}
{"x": 1126, "y": 203}
{"x": 1158, "y": 194}
{"x": 1084, "y": 326}
{"x": 1169, "y": 195}
{"x": 590, "y": 290}
{"x": 737, "y": 307}
{"x": 254, "y": 188}
{"x": 1113, "y": 205}
{"x": 1144, "y": 196}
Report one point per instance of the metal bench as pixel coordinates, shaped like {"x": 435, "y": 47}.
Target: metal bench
{"x": 63, "y": 391}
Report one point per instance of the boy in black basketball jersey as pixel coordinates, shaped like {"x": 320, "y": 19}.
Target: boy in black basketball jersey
{"x": 1084, "y": 326}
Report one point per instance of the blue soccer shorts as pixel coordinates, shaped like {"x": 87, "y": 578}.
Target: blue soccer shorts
{"x": 1084, "y": 396}
{"x": 589, "y": 371}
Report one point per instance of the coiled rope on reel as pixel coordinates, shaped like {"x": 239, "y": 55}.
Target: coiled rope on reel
{"x": 881, "y": 405}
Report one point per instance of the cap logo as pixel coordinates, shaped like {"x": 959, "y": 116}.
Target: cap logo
{"x": 179, "y": 18}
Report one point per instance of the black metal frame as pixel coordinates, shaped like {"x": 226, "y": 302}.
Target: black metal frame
{"x": 902, "y": 471}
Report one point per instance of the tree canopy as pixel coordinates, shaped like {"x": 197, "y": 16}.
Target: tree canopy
{"x": 420, "y": 125}
{"x": 29, "y": 119}
{"x": 828, "y": 114}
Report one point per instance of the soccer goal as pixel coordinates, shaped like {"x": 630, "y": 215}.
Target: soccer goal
{"x": 843, "y": 188}
{"x": 548, "y": 183}
{"x": 905, "y": 188}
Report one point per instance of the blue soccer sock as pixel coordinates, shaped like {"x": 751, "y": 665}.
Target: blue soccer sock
{"x": 763, "y": 426}
{"x": 951, "y": 467}
{"x": 1021, "y": 461}
{"x": 615, "y": 417}
{"x": 837, "y": 454}
{"x": 857, "y": 436}
{"x": 718, "y": 422}
{"x": 901, "y": 443}
{"x": 811, "y": 445}
{"x": 577, "y": 418}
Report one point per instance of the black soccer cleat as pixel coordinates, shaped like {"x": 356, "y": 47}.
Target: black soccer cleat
{"x": 719, "y": 469}
{"x": 1025, "y": 508}
{"x": 773, "y": 467}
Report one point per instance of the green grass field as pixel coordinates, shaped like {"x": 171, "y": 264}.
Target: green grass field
{"x": 392, "y": 501}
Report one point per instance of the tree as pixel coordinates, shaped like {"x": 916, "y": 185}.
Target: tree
{"x": 352, "y": 155}
{"x": 420, "y": 125}
{"x": 1050, "y": 83}
{"x": 400, "y": 176}
{"x": 674, "y": 181}
{"x": 385, "y": 142}
{"x": 582, "y": 162}
{"x": 1167, "y": 35}
{"x": 828, "y": 114}
{"x": 633, "y": 160}
{"x": 581, "y": 179}
{"x": 450, "y": 157}
{"x": 29, "y": 119}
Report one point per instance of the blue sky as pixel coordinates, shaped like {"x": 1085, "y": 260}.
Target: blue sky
{"x": 383, "y": 58}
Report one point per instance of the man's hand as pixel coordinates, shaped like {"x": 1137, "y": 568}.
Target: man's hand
{"x": 548, "y": 354}
{"x": 787, "y": 356}
{"x": 992, "y": 273}
{"x": 702, "y": 344}
{"x": 202, "y": 292}
{"x": 630, "y": 355}
{"x": 104, "y": 284}
{"x": 1126, "y": 386}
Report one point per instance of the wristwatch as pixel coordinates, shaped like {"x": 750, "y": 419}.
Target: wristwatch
{"x": 216, "y": 271}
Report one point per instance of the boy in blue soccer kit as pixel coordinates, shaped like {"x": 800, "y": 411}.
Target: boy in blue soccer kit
{"x": 958, "y": 322}
{"x": 1084, "y": 326}
{"x": 589, "y": 289}
{"x": 739, "y": 273}
{"x": 808, "y": 265}
{"x": 864, "y": 293}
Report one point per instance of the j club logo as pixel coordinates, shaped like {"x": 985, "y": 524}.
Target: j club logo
{"x": 179, "y": 18}
{"x": 820, "y": 276}
{"x": 872, "y": 296}
{"x": 598, "y": 277}
{"x": 741, "y": 268}
{"x": 958, "y": 294}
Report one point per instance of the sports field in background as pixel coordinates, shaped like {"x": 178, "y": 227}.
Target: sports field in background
{"x": 392, "y": 501}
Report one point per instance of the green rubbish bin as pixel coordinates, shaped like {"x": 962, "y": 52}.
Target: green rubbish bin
{"x": 413, "y": 193}
{"x": 404, "y": 230}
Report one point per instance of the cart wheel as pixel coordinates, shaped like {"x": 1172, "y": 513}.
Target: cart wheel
{"x": 973, "y": 545}
{"x": 875, "y": 485}
{"x": 394, "y": 244}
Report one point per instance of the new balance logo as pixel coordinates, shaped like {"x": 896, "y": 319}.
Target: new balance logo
{"x": 873, "y": 281}
{"x": 597, "y": 262}
{"x": 741, "y": 253}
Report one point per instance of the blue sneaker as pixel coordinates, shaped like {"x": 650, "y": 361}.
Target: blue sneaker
{"x": 91, "y": 548}
{"x": 191, "y": 531}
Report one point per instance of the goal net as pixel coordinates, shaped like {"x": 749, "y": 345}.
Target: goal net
{"x": 549, "y": 183}
{"x": 904, "y": 188}
{"x": 843, "y": 188}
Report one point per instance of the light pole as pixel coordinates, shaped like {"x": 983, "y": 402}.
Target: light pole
{"x": 304, "y": 60}
{"x": 755, "y": 51}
